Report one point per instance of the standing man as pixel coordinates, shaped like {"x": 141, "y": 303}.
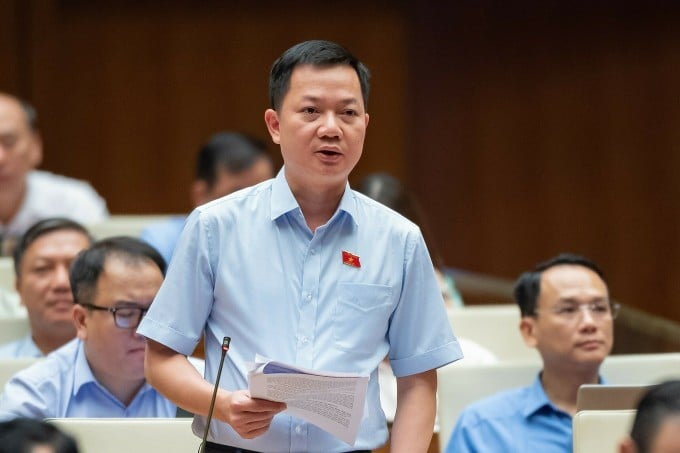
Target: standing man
{"x": 228, "y": 162}
{"x": 41, "y": 263}
{"x": 26, "y": 194}
{"x": 304, "y": 270}
{"x": 101, "y": 372}
{"x": 567, "y": 315}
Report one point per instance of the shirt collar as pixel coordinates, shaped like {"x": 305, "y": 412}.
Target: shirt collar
{"x": 537, "y": 399}
{"x": 83, "y": 373}
{"x": 283, "y": 200}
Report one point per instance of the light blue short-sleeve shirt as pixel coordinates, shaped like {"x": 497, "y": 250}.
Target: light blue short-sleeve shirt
{"x": 62, "y": 385}
{"x": 247, "y": 266}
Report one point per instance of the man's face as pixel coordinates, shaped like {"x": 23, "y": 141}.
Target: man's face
{"x": 43, "y": 283}
{"x": 320, "y": 126}
{"x": 228, "y": 182}
{"x": 116, "y": 355}
{"x": 20, "y": 147}
{"x": 565, "y": 331}
{"x": 667, "y": 438}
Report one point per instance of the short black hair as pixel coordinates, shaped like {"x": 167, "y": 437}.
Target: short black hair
{"x": 528, "y": 285}
{"x": 315, "y": 53}
{"x": 232, "y": 151}
{"x": 42, "y": 228}
{"x": 89, "y": 264}
{"x": 21, "y": 435}
{"x": 660, "y": 402}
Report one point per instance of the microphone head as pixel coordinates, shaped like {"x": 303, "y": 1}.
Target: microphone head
{"x": 225, "y": 343}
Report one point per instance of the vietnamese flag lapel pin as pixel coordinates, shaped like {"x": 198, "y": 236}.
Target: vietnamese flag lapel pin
{"x": 350, "y": 259}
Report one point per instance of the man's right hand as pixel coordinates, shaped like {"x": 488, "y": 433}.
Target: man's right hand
{"x": 249, "y": 417}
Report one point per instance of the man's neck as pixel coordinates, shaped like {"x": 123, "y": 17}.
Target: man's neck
{"x": 561, "y": 386}
{"x": 49, "y": 341}
{"x": 125, "y": 391}
{"x": 318, "y": 207}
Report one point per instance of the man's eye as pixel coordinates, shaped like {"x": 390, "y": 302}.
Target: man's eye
{"x": 8, "y": 141}
{"x": 566, "y": 310}
{"x": 600, "y": 308}
{"x": 41, "y": 270}
{"x": 350, "y": 112}
{"x": 125, "y": 312}
{"x": 309, "y": 110}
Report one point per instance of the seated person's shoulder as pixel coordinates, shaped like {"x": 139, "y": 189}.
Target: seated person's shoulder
{"x": 58, "y": 193}
{"x": 505, "y": 404}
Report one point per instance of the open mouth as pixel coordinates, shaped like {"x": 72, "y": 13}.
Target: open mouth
{"x": 328, "y": 152}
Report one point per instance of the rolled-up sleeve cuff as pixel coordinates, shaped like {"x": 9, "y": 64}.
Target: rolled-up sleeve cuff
{"x": 429, "y": 360}
{"x": 167, "y": 336}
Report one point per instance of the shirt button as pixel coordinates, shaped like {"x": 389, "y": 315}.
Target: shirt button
{"x": 309, "y": 296}
{"x": 298, "y": 429}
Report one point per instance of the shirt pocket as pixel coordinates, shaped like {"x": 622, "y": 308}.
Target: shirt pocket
{"x": 362, "y": 313}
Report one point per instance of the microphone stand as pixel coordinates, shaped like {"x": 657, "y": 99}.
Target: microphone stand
{"x": 225, "y": 347}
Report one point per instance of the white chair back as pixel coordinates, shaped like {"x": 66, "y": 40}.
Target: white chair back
{"x": 641, "y": 369}
{"x": 601, "y": 431}
{"x": 10, "y": 367}
{"x": 124, "y": 225}
{"x": 496, "y": 327}
{"x": 13, "y": 328}
{"x": 7, "y": 273}
{"x": 130, "y": 435}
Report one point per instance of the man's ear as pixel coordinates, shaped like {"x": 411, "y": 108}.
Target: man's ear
{"x": 271, "y": 119}
{"x": 80, "y": 321}
{"x": 36, "y": 155}
{"x": 199, "y": 192}
{"x": 527, "y": 327}
{"x": 627, "y": 445}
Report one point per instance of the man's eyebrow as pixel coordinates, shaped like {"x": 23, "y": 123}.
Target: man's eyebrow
{"x": 345, "y": 101}
{"x": 574, "y": 300}
{"x": 128, "y": 304}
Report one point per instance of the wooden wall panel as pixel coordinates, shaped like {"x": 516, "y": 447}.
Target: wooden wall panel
{"x": 10, "y": 45}
{"x": 549, "y": 129}
{"x": 128, "y": 90}
{"x": 524, "y": 131}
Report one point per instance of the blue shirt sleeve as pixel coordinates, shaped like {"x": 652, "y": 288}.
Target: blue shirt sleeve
{"x": 23, "y": 398}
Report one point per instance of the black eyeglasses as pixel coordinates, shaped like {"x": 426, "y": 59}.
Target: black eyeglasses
{"x": 123, "y": 317}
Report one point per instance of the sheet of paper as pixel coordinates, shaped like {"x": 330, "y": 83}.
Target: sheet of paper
{"x": 332, "y": 401}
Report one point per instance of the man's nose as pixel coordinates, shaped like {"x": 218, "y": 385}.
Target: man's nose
{"x": 61, "y": 277}
{"x": 587, "y": 316}
{"x": 330, "y": 126}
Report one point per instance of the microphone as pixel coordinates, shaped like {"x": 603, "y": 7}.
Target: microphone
{"x": 225, "y": 347}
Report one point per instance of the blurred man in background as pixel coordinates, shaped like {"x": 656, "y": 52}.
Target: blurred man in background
{"x": 228, "y": 162}
{"x": 42, "y": 259}
{"x": 26, "y": 194}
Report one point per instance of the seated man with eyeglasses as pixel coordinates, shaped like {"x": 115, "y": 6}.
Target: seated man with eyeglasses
{"x": 101, "y": 372}
{"x": 568, "y": 317}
